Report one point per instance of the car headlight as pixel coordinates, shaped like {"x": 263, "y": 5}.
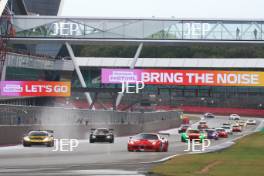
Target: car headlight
{"x": 26, "y": 138}
{"x": 108, "y": 137}
{"x": 46, "y": 139}
{"x": 131, "y": 142}
{"x": 154, "y": 143}
{"x": 93, "y": 136}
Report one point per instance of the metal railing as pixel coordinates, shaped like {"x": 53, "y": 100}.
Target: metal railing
{"x": 27, "y": 61}
{"x": 28, "y": 115}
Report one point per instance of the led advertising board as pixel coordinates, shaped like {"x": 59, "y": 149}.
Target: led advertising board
{"x": 184, "y": 77}
{"x": 35, "y": 88}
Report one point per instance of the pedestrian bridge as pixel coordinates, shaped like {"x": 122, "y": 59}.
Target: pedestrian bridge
{"x": 172, "y": 30}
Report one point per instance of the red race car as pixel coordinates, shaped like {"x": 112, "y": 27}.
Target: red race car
{"x": 183, "y": 128}
{"x": 148, "y": 142}
{"x": 221, "y": 133}
{"x": 202, "y": 125}
{"x": 237, "y": 128}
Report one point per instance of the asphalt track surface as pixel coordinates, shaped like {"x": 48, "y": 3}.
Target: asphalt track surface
{"x": 98, "y": 158}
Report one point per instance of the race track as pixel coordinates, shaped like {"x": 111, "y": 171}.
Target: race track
{"x": 95, "y": 159}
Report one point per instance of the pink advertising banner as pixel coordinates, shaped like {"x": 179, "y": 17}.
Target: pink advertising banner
{"x": 119, "y": 75}
{"x": 183, "y": 77}
{"x": 35, "y": 88}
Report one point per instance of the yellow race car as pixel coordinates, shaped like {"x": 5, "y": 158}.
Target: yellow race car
{"x": 242, "y": 123}
{"x": 39, "y": 137}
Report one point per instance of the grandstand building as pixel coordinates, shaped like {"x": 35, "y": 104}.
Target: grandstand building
{"x": 38, "y": 51}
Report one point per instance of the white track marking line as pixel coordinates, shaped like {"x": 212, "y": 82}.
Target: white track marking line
{"x": 162, "y": 160}
{"x": 11, "y": 147}
{"x": 103, "y": 172}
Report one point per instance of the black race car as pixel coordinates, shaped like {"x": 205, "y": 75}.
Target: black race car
{"x": 102, "y": 135}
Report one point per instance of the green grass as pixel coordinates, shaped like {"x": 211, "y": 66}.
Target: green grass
{"x": 245, "y": 158}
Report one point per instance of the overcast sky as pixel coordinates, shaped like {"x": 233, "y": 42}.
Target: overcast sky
{"x": 253, "y": 9}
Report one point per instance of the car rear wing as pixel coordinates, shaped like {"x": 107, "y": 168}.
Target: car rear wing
{"x": 164, "y": 134}
{"x": 49, "y": 131}
{"x": 226, "y": 124}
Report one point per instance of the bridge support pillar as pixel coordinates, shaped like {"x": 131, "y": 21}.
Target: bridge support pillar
{"x": 132, "y": 66}
{"x": 79, "y": 73}
{"x": 3, "y": 70}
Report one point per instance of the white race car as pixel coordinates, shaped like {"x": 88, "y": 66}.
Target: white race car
{"x": 228, "y": 129}
{"x": 242, "y": 123}
{"x": 209, "y": 115}
{"x": 251, "y": 122}
{"x": 234, "y": 117}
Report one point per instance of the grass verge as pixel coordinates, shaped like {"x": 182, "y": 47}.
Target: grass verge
{"x": 245, "y": 158}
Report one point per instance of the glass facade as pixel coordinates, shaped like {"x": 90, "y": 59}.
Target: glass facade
{"x": 34, "y": 7}
{"x": 153, "y": 29}
{"x": 43, "y": 7}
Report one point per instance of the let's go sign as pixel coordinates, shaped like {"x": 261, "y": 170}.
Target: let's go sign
{"x": 184, "y": 77}
{"x": 35, "y": 88}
